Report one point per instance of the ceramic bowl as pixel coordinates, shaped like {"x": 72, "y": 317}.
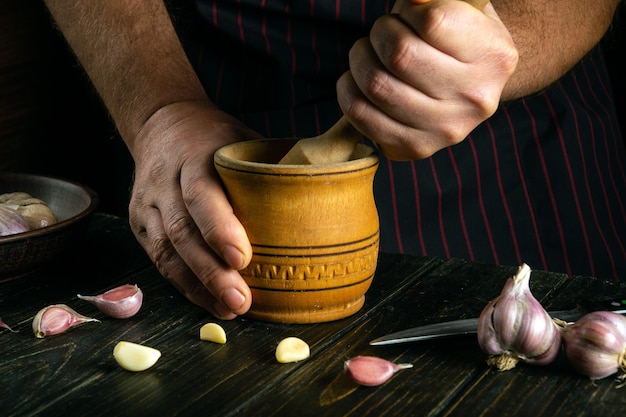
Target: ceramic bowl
{"x": 71, "y": 203}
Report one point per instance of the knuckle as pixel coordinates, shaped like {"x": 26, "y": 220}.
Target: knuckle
{"x": 508, "y": 57}
{"x": 377, "y": 86}
{"x": 160, "y": 249}
{"x": 400, "y": 58}
{"x": 485, "y": 102}
{"x": 178, "y": 228}
{"x": 192, "y": 191}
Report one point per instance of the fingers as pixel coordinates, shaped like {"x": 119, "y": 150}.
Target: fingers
{"x": 207, "y": 204}
{"x": 166, "y": 230}
{"x": 198, "y": 273}
{"x": 453, "y": 27}
{"x": 179, "y": 212}
{"x": 426, "y": 76}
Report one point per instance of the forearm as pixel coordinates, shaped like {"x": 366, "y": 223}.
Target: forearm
{"x": 551, "y": 36}
{"x": 132, "y": 55}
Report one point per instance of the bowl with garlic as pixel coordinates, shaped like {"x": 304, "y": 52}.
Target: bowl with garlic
{"x": 40, "y": 218}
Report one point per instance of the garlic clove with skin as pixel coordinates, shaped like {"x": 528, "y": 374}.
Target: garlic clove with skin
{"x": 514, "y": 326}
{"x": 121, "y": 302}
{"x": 595, "y": 344}
{"x": 57, "y": 318}
{"x": 371, "y": 371}
{"x": 3, "y": 325}
{"x": 36, "y": 212}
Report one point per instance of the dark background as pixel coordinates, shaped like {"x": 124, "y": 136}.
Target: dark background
{"x": 52, "y": 121}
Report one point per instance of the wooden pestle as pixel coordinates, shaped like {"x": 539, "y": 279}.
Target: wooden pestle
{"x": 338, "y": 142}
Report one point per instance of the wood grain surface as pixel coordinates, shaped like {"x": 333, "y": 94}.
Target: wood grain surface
{"x": 74, "y": 374}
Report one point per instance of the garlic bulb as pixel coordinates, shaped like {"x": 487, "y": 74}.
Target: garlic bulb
{"x": 514, "y": 326}
{"x": 35, "y": 211}
{"x": 595, "y": 344}
{"x": 120, "y": 303}
{"x": 11, "y": 222}
{"x": 56, "y": 319}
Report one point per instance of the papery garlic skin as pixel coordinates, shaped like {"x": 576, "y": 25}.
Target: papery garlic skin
{"x": 121, "y": 302}
{"x": 514, "y": 326}
{"x": 57, "y": 318}
{"x": 35, "y": 211}
{"x": 11, "y": 222}
{"x": 595, "y": 344}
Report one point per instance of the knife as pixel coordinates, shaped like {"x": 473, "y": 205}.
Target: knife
{"x": 466, "y": 327}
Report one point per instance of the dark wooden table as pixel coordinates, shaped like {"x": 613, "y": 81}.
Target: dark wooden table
{"x": 74, "y": 374}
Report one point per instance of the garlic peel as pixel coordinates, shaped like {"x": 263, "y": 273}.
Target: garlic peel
{"x": 57, "y": 318}
{"x": 371, "y": 370}
{"x": 11, "y": 222}
{"x": 135, "y": 357}
{"x": 34, "y": 211}
{"x": 3, "y": 325}
{"x": 120, "y": 302}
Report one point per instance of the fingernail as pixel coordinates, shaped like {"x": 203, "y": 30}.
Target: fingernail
{"x": 222, "y": 312}
{"x": 233, "y": 257}
{"x": 233, "y": 299}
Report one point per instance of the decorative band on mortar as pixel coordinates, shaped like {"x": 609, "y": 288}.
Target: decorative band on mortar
{"x": 329, "y": 270}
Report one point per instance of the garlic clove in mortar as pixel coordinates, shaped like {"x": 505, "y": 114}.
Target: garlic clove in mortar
{"x": 120, "y": 302}
{"x": 514, "y": 326}
{"x": 371, "y": 371}
{"x": 57, "y": 318}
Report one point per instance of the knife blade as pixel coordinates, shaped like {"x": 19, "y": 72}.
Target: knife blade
{"x": 463, "y": 327}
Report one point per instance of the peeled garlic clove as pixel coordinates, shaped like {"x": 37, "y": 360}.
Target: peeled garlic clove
{"x": 11, "y": 222}
{"x": 56, "y": 319}
{"x": 213, "y": 332}
{"x": 514, "y": 326}
{"x": 120, "y": 303}
{"x": 135, "y": 357}
{"x": 371, "y": 370}
{"x": 292, "y": 349}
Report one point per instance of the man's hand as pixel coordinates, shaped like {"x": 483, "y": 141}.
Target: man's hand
{"x": 179, "y": 212}
{"x": 427, "y": 76}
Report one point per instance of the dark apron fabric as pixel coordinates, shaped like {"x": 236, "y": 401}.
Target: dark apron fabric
{"x": 542, "y": 181}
